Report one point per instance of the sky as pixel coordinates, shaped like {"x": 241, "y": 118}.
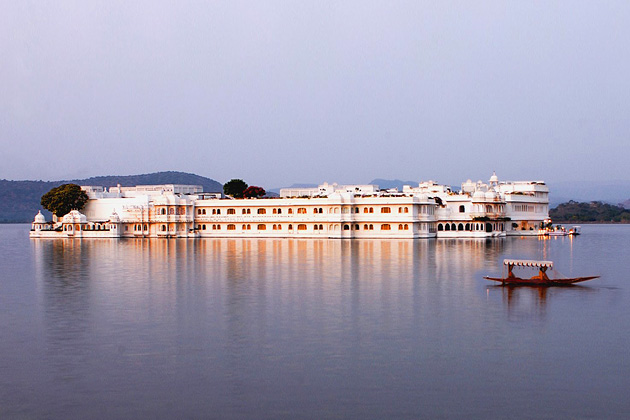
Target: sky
{"x": 283, "y": 92}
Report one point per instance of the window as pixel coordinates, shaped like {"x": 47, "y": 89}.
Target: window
{"x": 262, "y": 211}
{"x": 386, "y": 227}
{"x": 231, "y": 227}
{"x": 462, "y": 209}
{"x": 406, "y": 210}
{"x": 290, "y": 226}
{"x": 316, "y": 227}
{"x": 460, "y": 227}
{"x": 386, "y": 210}
{"x": 262, "y": 227}
{"x": 214, "y": 211}
{"x": 290, "y": 211}
{"x": 365, "y": 210}
{"x": 231, "y": 211}
{"x": 406, "y": 226}
{"x": 315, "y": 210}
{"x": 198, "y": 211}
{"x": 356, "y": 227}
{"x": 346, "y": 227}
{"x": 279, "y": 211}
{"x": 447, "y": 227}
{"x": 218, "y": 227}
{"x": 218, "y": 211}
{"x": 371, "y": 227}
{"x": 400, "y": 227}
{"x": 371, "y": 209}
{"x": 301, "y": 210}
{"x": 203, "y": 211}
{"x": 301, "y": 227}
{"x": 321, "y": 227}
{"x": 171, "y": 211}
{"x": 365, "y": 227}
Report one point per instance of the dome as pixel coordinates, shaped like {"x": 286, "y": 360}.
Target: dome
{"x": 494, "y": 179}
{"x": 479, "y": 195}
{"x": 39, "y": 218}
{"x": 74, "y": 217}
{"x": 491, "y": 195}
{"x": 114, "y": 218}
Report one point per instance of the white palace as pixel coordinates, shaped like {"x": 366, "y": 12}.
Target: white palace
{"x": 428, "y": 210}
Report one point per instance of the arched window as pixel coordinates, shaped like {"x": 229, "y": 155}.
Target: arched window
{"x": 218, "y": 227}
{"x": 453, "y": 227}
{"x": 346, "y": 227}
{"x": 171, "y": 211}
{"x": 275, "y": 211}
{"x": 244, "y": 211}
{"x": 301, "y": 227}
{"x": 365, "y": 227}
{"x": 262, "y": 227}
{"x": 386, "y": 226}
{"x": 290, "y": 211}
{"x": 203, "y": 211}
{"x": 316, "y": 227}
{"x": 301, "y": 210}
{"x": 460, "y": 227}
{"x": 386, "y": 210}
{"x": 279, "y": 211}
{"x": 399, "y": 209}
{"x": 198, "y": 211}
{"x": 467, "y": 226}
{"x": 321, "y": 227}
{"x": 406, "y": 227}
{"x": 462, "y": 209}
{"x": 440, "y": 227}
{"x": 371, "y": 227}
{"x": 406, "y": 209}
{"x": 400, "y": 227}
{"x": 365, "y": 210}
{"x": 244, "y": 227}
{"x": 488, "y": 227}
{"x": 290, "y": 225}
{"x": 356, "y": 227}
{"x": 262, "y": 211}
{"x": 488, "y": 209}
{"x": 231, "y": 211}
{"x": 315, "y": 210}
{"x": 231, "y": 227}
{"x": 371, "y": 209}
{"x": 447, "y": 227}
{"x": 163, "y": 228}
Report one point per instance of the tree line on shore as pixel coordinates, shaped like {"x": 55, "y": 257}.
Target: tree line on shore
{"x": 594, "y": 211}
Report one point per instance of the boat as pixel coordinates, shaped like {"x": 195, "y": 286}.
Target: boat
{"x": 575, "y": 230}
{"x": 540, "y": 279}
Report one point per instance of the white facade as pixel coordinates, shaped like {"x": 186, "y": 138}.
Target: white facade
{"x": 429, "y": 210}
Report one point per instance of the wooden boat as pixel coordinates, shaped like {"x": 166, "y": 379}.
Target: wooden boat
{"x": 540, "y": 279}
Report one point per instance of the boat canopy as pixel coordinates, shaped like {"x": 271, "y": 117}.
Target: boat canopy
{"x": 528, "y": 263}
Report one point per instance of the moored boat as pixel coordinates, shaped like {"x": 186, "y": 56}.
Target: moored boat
{"x": 540, "y": 279}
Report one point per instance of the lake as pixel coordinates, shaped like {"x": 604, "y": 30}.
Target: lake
{"x": 311, "y": 329}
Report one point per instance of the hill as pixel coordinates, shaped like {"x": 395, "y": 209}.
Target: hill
{"x": 19, "y": 200}
{"x": 595, "y": 211}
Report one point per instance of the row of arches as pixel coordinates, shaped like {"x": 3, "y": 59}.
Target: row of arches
{"x": 470, "y": 227}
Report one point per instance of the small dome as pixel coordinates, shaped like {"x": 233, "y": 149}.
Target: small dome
{"x": 74, "y": 217}
{"x": 114, "y": 218}
{"x": 491, "y": 195}
{"x": 479, "y": 195}
{"x": 39, "y": 218}
{"x": 494, "y": 178}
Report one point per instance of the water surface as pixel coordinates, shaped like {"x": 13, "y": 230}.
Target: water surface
{"x": 289, "y": 328}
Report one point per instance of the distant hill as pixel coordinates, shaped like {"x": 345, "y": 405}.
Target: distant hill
{"x": 19, "y": 200}
{"x": 614, "y": 191}
{"x": 595, "y": 211}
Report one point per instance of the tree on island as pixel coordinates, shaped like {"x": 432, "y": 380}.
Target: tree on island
{"x": 235, "y": 188}
{"x": 64, "y": 198}
{"x": 254, "y": 192}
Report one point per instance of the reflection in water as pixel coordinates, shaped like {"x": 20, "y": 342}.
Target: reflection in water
{"x": 268, "y": 328}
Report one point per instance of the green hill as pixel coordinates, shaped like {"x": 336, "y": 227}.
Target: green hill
{"x": 595, "y": 211}
{"x": 19, "y": 200}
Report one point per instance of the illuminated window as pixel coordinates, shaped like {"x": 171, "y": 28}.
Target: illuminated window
{"x": 386, "y": 210}
{"x": 386, "y": 227}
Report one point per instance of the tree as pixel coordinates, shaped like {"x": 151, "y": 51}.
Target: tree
{"x": 254, "y": 192}
{"x": 235, "y": 188}
{"x": 60, "y": 200}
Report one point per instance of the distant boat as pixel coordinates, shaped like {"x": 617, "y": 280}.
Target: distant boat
{"x": 575, "y": 230}
{"x": 540, "y": 279}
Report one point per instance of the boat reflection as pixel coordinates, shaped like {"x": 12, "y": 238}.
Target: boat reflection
{"x": 525, "y": 301}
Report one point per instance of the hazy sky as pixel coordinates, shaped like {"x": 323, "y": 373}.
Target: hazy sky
{"x": 277, "y": 92}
